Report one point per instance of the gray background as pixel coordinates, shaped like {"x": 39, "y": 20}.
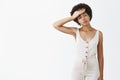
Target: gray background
{"x": 31, "y": 49}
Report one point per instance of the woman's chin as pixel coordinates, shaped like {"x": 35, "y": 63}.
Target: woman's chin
{"x": 85, "y": 24}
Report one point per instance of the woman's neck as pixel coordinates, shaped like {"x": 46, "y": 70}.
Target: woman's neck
{"x": 86, "y": 28}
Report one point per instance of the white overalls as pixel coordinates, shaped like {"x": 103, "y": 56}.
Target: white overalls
{"x": 86, "y": 63}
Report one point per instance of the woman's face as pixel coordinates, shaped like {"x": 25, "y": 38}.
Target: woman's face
{"x": 84, "y": 19}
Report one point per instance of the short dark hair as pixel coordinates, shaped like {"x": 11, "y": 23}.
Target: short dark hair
{"x": 87, "y": 8}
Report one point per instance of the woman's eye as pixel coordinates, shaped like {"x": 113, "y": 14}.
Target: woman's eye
{"x": 85, "y": 15}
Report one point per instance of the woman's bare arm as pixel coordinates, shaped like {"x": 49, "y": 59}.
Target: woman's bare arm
{"x": 59, "y": 25}
{"x": 100, "y": 55}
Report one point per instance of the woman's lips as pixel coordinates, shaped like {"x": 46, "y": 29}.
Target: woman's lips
{"x": 84, "y": 21}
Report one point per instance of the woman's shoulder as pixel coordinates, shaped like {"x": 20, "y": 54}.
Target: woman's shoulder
{"x": 100, "y": 34}
{"x": 98, "y": 30}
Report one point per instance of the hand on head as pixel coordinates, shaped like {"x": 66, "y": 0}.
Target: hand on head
{"x": 78, "y": 13}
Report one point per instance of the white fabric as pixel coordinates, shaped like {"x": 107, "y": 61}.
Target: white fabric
{"x": 86, "y": 64}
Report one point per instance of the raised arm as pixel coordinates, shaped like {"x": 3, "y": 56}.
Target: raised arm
{"x": 100, "y": 55}
{"x": 59, "y": 25}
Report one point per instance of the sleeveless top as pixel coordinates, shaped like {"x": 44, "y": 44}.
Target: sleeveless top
{"x": 86, "y": 49}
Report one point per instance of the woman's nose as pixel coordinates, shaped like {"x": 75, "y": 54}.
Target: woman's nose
{"x": 83, "y": 18}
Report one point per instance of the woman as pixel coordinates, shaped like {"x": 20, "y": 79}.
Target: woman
{"x": 89, "y": 41}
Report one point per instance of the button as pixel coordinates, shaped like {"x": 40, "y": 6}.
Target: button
{"x": 84, "y": 62}
{"x": 86, "y": 52}
{"x": 87, "y": 47}
{"x": 87, "y": 42}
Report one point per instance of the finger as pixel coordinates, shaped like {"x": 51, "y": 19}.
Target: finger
{"x": 82, "y": 10}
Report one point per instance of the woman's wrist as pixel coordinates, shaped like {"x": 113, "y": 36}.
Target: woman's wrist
{"x": 72, "y": 17}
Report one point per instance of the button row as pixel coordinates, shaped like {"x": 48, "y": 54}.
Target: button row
{"x": 86, "y": 50}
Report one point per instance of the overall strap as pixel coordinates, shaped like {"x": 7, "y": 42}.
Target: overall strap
{"x": 97, "y": 36}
